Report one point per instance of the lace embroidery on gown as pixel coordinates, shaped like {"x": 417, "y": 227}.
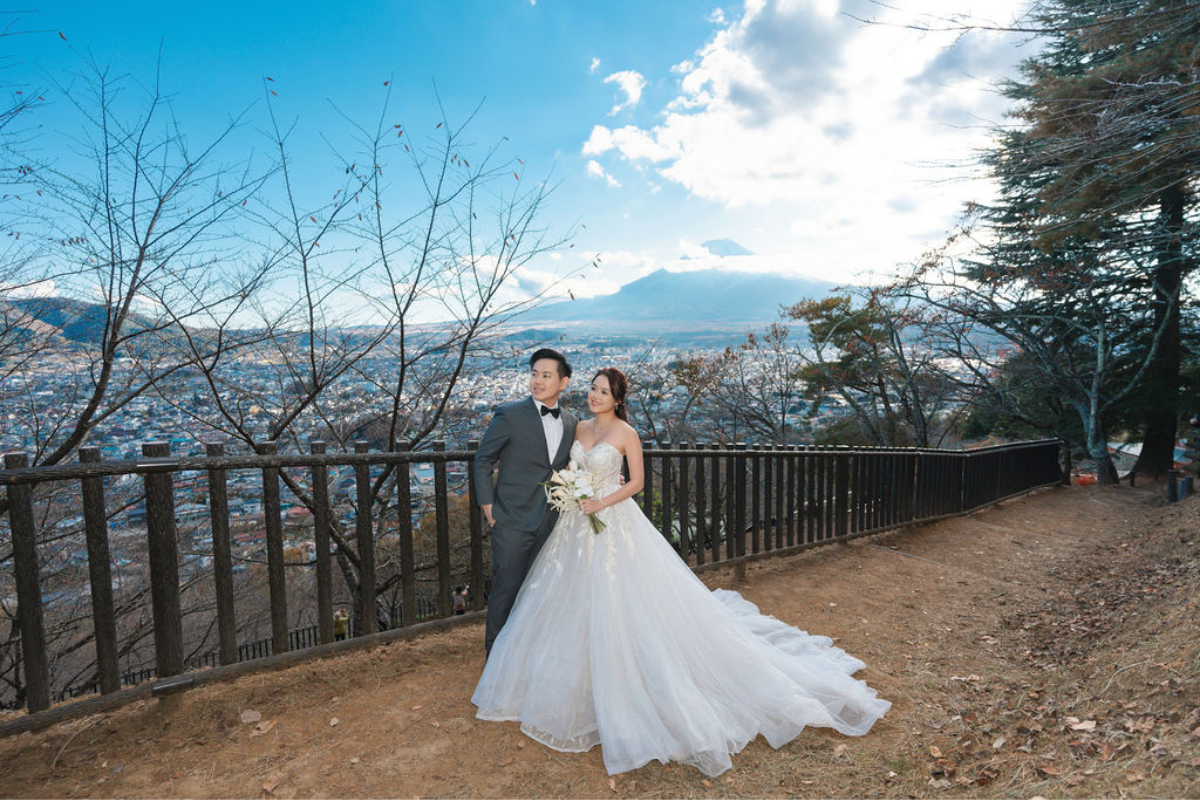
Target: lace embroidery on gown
{"x": 614, "y": 641}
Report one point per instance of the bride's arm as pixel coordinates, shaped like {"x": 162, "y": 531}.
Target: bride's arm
{"x": 637, "y": 477}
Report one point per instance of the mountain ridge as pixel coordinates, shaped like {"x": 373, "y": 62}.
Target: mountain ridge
{"x": 663, "y": 299}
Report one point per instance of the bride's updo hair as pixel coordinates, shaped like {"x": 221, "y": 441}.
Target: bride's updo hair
{"x": 618, "y": 384}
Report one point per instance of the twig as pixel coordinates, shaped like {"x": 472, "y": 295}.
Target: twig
{"x": 910, "y": 555}
{"x": 71, "y": 738}
{"x": 1114, "y": 677}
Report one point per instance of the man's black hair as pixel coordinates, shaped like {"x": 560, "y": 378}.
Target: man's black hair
{"x": 564, "y": 369}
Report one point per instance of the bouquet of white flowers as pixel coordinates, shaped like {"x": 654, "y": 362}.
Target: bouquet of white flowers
{"x": 568, "y": 487}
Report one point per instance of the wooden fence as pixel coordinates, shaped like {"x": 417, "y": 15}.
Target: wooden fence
{"x": 714, "y": 504}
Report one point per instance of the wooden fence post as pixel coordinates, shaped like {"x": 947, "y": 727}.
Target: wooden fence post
{"x": 104, "y": 620}
{"x": 164, "y": 564}
{"x": 442, "y": 509}
{"x": 739, "y": 510}
{"x": 29, "y": 593}
{"x": 364, "y": 537}
{"x": 218, "y": 508}
{"x": 475, "y": 595}
{"x": 276, "y": 577}
{"x": 321, "y": 549}
{"x": 408, "y": 578}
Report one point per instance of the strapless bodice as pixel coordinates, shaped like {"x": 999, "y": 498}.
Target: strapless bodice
{"x": 603, "y": 460}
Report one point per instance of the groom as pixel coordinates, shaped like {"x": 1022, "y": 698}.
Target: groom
{"x": 527, "y": 439}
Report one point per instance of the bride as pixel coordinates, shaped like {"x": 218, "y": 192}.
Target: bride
{"x": 614, "y": 641}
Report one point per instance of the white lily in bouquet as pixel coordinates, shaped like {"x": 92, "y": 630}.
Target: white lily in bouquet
{"x": 569, "y": 487}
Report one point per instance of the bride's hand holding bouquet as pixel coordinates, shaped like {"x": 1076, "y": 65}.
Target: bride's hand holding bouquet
{"x": 573, "y": 489}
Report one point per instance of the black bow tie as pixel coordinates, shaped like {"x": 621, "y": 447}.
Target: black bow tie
{"x": 552, "y": 411}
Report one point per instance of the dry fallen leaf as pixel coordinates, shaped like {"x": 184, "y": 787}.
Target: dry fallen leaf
{"x": 507, "y": 761}
{"x": 707, "y": 783}
{"x": 935, "y": 751}
{"x": 354, "y": 760}
{"x": 1075, "y": 780}
{"x": 1134, "y": 777}
{"x": 436, "y": 724}
{"x": 939, "y": 783}
{"x": 270, "y": 784}
{"x": 999, "y": 742}
{"x": 840, "y": 750}
{"x": 264, "y": 727}
{"x": 1086, "y": 725}
{"x": 1047, "y": 769}
{"x": 250, "y": 715}
{"x": 612, "y": 784}
{"x": 520, "y": 745}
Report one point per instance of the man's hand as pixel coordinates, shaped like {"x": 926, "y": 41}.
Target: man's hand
{"x": 487, "y": 512}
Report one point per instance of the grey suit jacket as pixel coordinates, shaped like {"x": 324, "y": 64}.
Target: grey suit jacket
{"x": 516, "y": 442}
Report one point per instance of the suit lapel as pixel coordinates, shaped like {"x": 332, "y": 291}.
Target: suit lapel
{"x": 539, "y": 431}
{"x": 568, "y": 437}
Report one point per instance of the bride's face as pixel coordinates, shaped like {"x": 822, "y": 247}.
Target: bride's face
{"x": 600, "y": 397}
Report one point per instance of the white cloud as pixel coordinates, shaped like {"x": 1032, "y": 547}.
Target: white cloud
{"x": 533, "y": 283}
{"x": 25, "y": 290}
{"x": 629, "y": 82}
{"x": 622, "y": 262}
{"x": 799, "y": 106}
{"x": 594, "y": 170}
{"x": 595, "y": 65}
{"x": 631, "y": 142}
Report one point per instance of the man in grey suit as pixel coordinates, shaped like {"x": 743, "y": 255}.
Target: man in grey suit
{"x": 527, "y": 440}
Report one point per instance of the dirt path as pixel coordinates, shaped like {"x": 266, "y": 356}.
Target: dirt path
{"x": 966, "y": 626}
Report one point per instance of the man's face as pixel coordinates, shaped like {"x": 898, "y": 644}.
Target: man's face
{"x": 544, "y": 382}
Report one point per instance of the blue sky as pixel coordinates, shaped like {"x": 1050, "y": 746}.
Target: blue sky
{"x": 825, "y": 146}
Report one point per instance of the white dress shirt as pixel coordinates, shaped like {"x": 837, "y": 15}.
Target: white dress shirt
{"x": 553, "y": 426}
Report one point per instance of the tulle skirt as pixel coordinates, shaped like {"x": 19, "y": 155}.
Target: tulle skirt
{"x": 614, "y": 641}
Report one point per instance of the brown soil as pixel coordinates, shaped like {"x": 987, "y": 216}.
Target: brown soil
{"x": 1046, "y": 646}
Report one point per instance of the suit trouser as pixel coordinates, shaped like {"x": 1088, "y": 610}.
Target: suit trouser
{"x": 513, "y": 553}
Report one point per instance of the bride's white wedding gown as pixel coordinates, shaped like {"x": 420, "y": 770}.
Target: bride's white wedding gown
{"x": 614, "y": 641}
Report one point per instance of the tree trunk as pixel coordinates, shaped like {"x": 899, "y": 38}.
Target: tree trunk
{"x": 1097, "y": 445}
{"x": 1162, "y": 382}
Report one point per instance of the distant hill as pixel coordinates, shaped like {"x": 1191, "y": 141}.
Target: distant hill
{"x": 65, "y": 318}
{"x": 73, "y": 320}
{"x": 678, "y": 301}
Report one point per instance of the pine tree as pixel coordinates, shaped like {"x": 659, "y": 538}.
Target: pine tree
{"x": 1107, "y": 157}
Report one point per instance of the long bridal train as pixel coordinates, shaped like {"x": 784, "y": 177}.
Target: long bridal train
{"x": 614, "y": 641}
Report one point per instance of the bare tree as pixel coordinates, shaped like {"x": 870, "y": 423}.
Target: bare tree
{"x": 124, "y": 261}
{"x": 1076, "y": 323}
{"x": 143, "y": 251}
{"x": 399, "y": 277}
